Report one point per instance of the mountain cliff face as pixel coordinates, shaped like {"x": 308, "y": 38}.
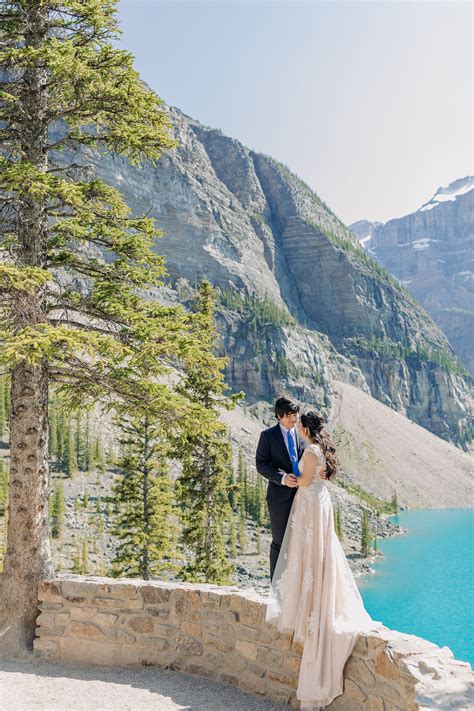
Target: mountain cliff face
{"x": 431, "y": 252}
{"x": 302, "y": 304}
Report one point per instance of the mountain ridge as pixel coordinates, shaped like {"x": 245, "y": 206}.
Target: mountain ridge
{"x": 431, "y": 252}
{"x": 249, "y": 225}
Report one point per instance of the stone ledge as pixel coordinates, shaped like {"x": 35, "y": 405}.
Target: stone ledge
{"x": 221, "y": 633}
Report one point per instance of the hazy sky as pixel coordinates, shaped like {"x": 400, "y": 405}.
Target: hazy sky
{"x": 369, "y": 102}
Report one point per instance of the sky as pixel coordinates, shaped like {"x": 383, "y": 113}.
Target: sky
{"x": 369, "y": 102}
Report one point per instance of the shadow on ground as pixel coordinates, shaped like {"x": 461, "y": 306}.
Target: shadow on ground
{"x": 30, "y": 683}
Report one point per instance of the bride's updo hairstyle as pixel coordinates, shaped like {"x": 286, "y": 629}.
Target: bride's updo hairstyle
{"x": 314, "y": 422}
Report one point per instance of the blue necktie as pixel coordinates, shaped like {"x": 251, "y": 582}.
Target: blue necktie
{"x": 293, "y": 453}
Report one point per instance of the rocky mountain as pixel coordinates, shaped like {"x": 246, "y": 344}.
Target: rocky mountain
{"x": 302, "y": 304}
{"x": 431, "y": 252}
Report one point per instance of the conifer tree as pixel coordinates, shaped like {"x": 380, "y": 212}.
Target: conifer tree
{"x": 79, "y": 443}
{"x": 243, "y": 502}
{"x": 70, "y": 451}
{"x": 147, "y": 522}
{"x": 58, "y": 509}
{"x": 77, "y": 564}
{"x": 53, "y": 430}
{"x": 395, "y": 506}
{"x": 232, "y": 537}
{"x": 258, "y": 540}
{"x": 99, "y": 456}
{"x": 88, "y": 446}
{"x": 205, "y": 453}
{"x": 365, "y": 535}
{"x": 69, "y": 95}
{"x": 242, "y": 525}
{"x": 231, "y": 486}
{"x": 85, "y": 556}
{"x": 242, "y": 479}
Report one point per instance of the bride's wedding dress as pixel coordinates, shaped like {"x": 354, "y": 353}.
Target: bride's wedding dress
{"x": 314, "y": 594}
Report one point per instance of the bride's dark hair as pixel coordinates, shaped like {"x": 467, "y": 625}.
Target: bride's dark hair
{"x": 314, "y": 422}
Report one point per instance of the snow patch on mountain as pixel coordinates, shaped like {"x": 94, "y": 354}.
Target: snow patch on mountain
{"x": 449, "y": 193}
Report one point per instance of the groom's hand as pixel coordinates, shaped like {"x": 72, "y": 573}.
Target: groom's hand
{"x": 289, "y": 479}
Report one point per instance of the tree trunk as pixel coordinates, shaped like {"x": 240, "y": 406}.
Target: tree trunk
{"x": 146, "y": 512}
{"x": 28, "y": 557}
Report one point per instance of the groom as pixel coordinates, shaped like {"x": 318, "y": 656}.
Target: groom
{"x": 278, "y": 453}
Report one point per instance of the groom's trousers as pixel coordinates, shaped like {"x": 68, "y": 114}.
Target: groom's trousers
{"x": 279, "y": 513}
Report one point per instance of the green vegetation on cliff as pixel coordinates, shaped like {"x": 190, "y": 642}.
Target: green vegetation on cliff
{"x": 404, "y": 352}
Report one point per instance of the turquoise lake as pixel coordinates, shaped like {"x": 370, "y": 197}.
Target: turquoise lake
{"x": 424, "y": 584}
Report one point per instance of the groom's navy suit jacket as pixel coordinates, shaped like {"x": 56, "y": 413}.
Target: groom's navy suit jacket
{"x": 271, "y": 456}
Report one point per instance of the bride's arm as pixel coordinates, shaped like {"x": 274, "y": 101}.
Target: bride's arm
{"x": 311, "y": 467}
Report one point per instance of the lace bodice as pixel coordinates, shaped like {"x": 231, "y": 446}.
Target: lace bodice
{"x": 318, "y": 484}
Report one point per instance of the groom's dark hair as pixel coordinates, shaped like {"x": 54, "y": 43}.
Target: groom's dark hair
{"x": 285, "y": 406}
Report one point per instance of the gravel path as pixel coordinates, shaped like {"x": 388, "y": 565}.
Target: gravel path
{"x": 29, "y": 684}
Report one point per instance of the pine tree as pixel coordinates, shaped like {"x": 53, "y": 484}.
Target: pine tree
{"x": 205, "y": 453}
{"x": 262, "y": 512}
{"x": 79, "y": 444}
{"x": 243, "y": 500}
{"x": 58, "y": 509}
{"x": 242, "y": 479}
{"x": 88, "y": 446}
{"x": 395, "y": 506}
{"x": 232, "y": 537}
{"x": 85, "y": 556}
{"x": 231, "y": 486}
{"x": 62, "y": 438}
{"x": 70, "y": 451}
{"x": 365, "y": 535}
{"x": 146, "y": 524}
{"x": 376, "y": 547}
{"x": 99, "y": 456}
{"x": 242, "y": 525}
{"x": 77, "y": 563}
{"x": 53, "y": 430}
{"x": 65, "y": 84}
{"x": 258, "y": 540}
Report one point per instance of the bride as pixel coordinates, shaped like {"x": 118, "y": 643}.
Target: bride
{"x": 313, "y": 592}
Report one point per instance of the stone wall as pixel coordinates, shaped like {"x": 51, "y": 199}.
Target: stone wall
{"x": 220, "y": 633}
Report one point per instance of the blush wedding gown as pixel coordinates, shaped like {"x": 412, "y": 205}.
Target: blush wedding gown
{"x": 314, "y": 594}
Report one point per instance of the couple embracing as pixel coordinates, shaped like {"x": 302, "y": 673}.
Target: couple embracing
{"x": 313, "y": 592}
